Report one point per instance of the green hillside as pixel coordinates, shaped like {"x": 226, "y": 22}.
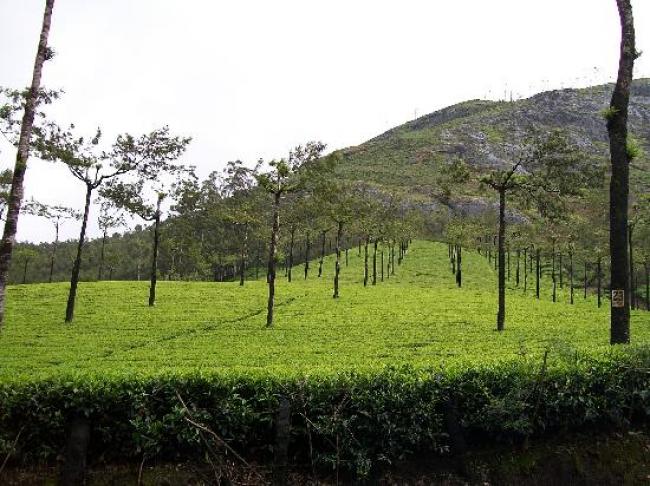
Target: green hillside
{"x": 417, "y": 317}
{"x": 410, "y": 157}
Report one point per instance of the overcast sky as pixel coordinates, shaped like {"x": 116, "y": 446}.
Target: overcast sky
{"x": 249, "y": 79}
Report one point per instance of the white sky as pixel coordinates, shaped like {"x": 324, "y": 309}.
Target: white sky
{"x": 250, "y": 79}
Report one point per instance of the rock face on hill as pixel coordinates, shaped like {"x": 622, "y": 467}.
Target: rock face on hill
{"x": 486, "y": 133}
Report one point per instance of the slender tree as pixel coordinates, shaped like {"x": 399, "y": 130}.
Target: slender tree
{"x": 617, "y": 115}
{"x": 149, "y": 186}
{"x": 285, "y": 176}
{"x": 14, "y": 203}
{"x": 56, "y": 215}
{"x": 96, "y": 168}
{"x": 107, "y": 220}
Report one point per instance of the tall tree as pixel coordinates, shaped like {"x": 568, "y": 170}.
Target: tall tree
{"x": 619, "y": 182}
{"x": 43, "y": 53}
{"x": 95, "y": 168}
{"x": 56, "y": 215}
{"x": 107, "y": 220}
{"x": 242, "y": 206}
{"x": 546, "y": 169}
{"x": 285, "y": 176}
{"x": 150, "y": 184}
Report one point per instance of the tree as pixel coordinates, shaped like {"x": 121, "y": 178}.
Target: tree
{"x": 43, "y": 53}
{"x": 6, "y": 177}
{"x": 285, "y": 176}
{"x": 25, "y": 254}
{"x": 149, "y": 187}
{"x": 546, "y": 169}
{"x": 619, "y": 183}
{"x": 107, "y": 220}
{"x": 241, "y": 206}
{"x": 95, "y": 168}
{"x": 56, "y": 215}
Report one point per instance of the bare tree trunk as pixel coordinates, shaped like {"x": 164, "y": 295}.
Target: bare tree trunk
{"x": 501, "y": 314}
{"x": 322, "y": 254}
{"x": 517, "y": 269}
{"x": 76, "y": 267}
{"x": 154, "y": 258}
{"x": 382, "y": 262}
{"x": 54, "y": 248}
{"x": 244, "y": 253}
{"x": 101, "y": 257}
{"x": 571, "y": 274}
{"x": 16, "y": 194}
{"x": 630, "y": 240}
{"x": 459, "y": 266}
{"x": 538, "y": 272}
{"x": 307, "y": 248}
{"x": 270, "y": 274}
{"x": 647, "y": 286}
{"x": 290, "y": 264}
{"x": 374, "y": 263}
{"x": 599, "y": 278}
{"x": 619, "y": 182}
{"x": 365, "y": 264}
{"x": 337, "y": 265}
{"x": 525, "y": 270}
{"x": 25, "y": 270}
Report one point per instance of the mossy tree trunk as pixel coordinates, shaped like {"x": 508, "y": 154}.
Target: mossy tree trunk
{"x": 16, "y": 193}
{"x": 619, "y": 181}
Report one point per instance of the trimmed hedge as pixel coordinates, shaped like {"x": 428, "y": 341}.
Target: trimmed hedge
{"x": 374, "y": 418}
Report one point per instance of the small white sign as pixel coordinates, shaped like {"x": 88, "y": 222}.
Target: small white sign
{"x": 618, "y": 298}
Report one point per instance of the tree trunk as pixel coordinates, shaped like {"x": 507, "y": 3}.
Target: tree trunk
{"x": 270, "y": 274}
{"x": 459, "y": 266}
{"x": 585, "y": 281}
{"x": 154, "y": 257}
{"x": 619, "y": 182}
{"x": 647, "y": 286}
{"x": 538, "y": 272}
{"x": 307, "y": 248}
{"x": 571, "y": 276}
{"x": 630, "y": 230}
{"x": 291, "y": 243}
{"x": 244, "y": 253}
{"x": 16, "y": 193}
{"x": 599, "y": 277}
{"x": 560, "y": 271}
{"x": 365, "y": 264}
{"x": 76, "y": 267}
{"x": 517, "y": 269}
{"x": 25, "y": 270}
{"x": 501, "y": 314}
{"x": 382, "y": 262}
{"x": 322, "y": 255}
{"x": 101, "y": 257}
{"x": 374, "y": 263}
{"x": 392, "y": 265}
{"x": 346, "y": 257}
{"x": 337, "y": 265}
{"x": 54, "y": 248}
{"x": 525, "y": 270}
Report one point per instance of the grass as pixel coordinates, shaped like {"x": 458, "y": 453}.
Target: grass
{"x": 417, "y": 317}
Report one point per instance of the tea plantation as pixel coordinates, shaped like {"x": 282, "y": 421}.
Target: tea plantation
{"x": 373, "y": 372}
{"x": 417, "y": 317}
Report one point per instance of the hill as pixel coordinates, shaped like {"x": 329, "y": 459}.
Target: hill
{"x": 409, "y": 157}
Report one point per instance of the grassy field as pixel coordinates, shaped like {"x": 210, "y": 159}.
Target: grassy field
{"x": 417, "y": 317}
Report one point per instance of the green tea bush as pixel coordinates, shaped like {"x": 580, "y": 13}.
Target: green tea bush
{"x": 356, "y": 420}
